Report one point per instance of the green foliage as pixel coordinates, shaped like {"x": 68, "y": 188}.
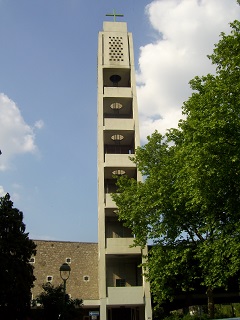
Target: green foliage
{"x": 236, "y": 309}
{"x": 54, "y": 303}
{"x": 179, "y": 316}
{"x": 189, "y": 203}
{"x": 173, "y": 268}
{"x": 15, "y": 251}
{"x": 225, "y": 311}
{"x": 199, "y": 312}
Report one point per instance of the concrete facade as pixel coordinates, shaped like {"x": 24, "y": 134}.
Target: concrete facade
{"x": 123, "y": 291}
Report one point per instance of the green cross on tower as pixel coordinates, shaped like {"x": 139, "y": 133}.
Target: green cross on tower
{"x": 114, "y": 15}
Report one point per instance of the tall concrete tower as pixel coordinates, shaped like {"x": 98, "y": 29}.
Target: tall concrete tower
{"x": 123, "y": 292}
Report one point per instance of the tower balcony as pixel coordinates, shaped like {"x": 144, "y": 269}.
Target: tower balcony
{"x": 109, "y": 203}
{"x": 121, "y": 92}
{"x": 119, "y": 124}
{"x": 118, "y": 160}
{"x": 119, "y": 141}
{"x": 121, "y": 246}
{"x": 118, "y": 108}
{"x": 125, "y": 295}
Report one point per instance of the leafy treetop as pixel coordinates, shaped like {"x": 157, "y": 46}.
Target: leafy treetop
{"x": 16, "y": 250}
{"x": 189, "y": 202}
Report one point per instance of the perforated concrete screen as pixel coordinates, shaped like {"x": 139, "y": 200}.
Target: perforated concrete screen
{"x": 115, "y": 49}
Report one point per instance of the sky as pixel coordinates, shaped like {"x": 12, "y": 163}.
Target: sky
{"x": 48, "y": 95}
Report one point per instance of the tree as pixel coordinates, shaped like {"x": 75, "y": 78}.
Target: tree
{"x": 16, "y": 272}
{"x": 189, "y": 203}
{"x": 53, "y": 302}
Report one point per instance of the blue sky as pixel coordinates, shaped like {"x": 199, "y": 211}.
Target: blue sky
{"x": 48, "y": 95}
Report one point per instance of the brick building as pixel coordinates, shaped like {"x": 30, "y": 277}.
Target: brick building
{"x": 83, "y": 260}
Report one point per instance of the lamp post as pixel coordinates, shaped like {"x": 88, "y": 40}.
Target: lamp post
{"x": 64, "y": 274}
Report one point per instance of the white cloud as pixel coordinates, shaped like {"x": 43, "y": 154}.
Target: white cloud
{"x": 16, "y": 136}
{"x": 39, "y": 124}
{"x": 16, "y": 191}
{"x": 185, "y": 31}
{"x": 14, "y": 197}
{"x": 2, "y": 192}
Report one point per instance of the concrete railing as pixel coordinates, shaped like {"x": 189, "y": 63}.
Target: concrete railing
{"x": 118, "y": 160}
{"x": 117, "y": 92}
{"x": 119, "y": 124}
{"x": 125, "y": 295}
{"x": 121, "y": 246}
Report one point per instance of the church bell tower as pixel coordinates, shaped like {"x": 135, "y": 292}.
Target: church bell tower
{"x": 123, "y": 292}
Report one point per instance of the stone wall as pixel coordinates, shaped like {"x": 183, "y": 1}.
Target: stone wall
{"x": 83, "y": 260}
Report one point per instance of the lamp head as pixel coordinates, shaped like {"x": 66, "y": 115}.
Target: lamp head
{"x": 65, "y": 271}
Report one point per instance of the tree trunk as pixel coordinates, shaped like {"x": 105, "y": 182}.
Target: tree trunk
{"x": 210, "y": 303}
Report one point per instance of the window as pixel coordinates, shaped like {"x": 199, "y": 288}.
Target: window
{"x": 68, "y": 260}
{"x": 49, "y": 278}
{"x": 32, "y": 260}
{"x": 86, "y": 278}
{"x": 117, "y": 137}
{"x": 120, "y": 283}
{"x": 116, "y": 106}
{"x": 118, "y": 172}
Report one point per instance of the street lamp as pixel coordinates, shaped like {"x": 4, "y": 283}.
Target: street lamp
{"x": 64, "y": 274}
